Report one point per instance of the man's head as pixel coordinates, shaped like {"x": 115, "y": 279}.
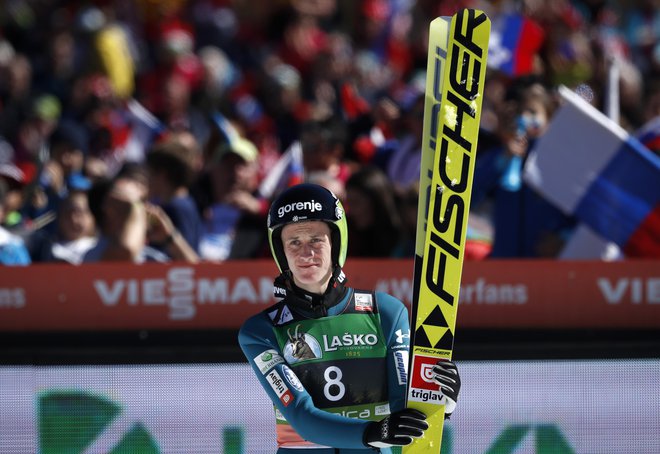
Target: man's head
{"x": 171, "y": 166}
{"x": 75, "y": 220}
{"x": 122, "y": 204}
{"x": 68, "y": 146}
{"x": 323, "y": 144}
{"x": 235, "y": 166}
{"x": 304, "y": 203}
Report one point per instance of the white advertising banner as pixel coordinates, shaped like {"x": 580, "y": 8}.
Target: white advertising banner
{"x": 516, "y": 407}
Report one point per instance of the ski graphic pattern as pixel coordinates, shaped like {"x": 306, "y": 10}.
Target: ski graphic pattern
{"x": 456, "y": 69}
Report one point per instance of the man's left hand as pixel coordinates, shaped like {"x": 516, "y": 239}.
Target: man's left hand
{"x": 445, "y": 374}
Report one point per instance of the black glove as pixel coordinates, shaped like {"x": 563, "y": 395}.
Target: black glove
{"x": 398, "y": 429}
{"x": 445, "y": 374}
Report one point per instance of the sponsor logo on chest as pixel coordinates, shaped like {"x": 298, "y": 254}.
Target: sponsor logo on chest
{"x": 333, "y": 343}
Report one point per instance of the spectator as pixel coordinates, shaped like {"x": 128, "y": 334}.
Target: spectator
{"x": 375, "y": 222}
{"x": 30, "y": 140}
{"x": 219, "y": 75}
{"x": 128, "y": 223}
{"x": 323, "y": 143}
{"x": 405, "y": 158}
{"x": 329, "y": 182}
{"x": 63, "y": 169}
{"x": 407, "y": 200}
{"x": 170, "y": 166}
{"x": 325, "y": 74}
{"x": 68, "y": 147}
{"x": 286, "y": 105}
{"x": 15, "y": 93}
{"x": 525, "y": 224}
{"x": 63, "y": 64}
{"x": 14, "y": 181}
{"x": 76, "y": 232}
{"x": 96, "y": 107}
{"x": 177, "y": 113}
{"x": 12, "y": 247}
{"x": 193, "y": 149}
{"x": 642, "y": 30}
{"x": 166, "y": 86}
{"x": 235, "y": 216}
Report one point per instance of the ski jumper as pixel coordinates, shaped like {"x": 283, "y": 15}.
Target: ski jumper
{"x": 329, "y": 367}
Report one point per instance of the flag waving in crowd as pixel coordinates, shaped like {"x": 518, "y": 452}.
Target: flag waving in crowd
{"x": 514, "y": 42}
{"x": 649, "y": 135}
{"x": 591, "y": 168}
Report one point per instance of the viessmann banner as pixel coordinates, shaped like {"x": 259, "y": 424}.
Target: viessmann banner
{"x": 494, "y": 294}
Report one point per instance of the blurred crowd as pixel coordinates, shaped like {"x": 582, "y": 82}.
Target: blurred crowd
{"x": 146, "y": 130}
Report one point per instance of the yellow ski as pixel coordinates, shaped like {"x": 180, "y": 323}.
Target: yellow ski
{"x": 456, "y": 69}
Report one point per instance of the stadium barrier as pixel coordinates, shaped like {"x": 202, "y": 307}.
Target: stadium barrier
{"x": 494, "y": 294}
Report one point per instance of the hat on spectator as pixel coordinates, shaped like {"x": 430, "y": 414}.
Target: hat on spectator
{"x": 240, "y": 146}
{"x": 47, "y": 107}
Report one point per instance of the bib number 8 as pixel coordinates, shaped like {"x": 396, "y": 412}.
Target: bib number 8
{"x": 333, "y": 382}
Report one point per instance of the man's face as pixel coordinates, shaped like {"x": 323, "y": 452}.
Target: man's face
{"x": 308, "y": 251}
{"x": 75, "y": 218}
{"x": 69, "y": 157}
{"x": 124, "y": 195}
{"x": 233, "y": 173}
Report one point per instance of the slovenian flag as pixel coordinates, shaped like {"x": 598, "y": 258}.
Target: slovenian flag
{"x": 288, "y": 171}
{"x": 591, "y": 168}
{"x": 649, "y": 135}
{"x": 514, "y": 42}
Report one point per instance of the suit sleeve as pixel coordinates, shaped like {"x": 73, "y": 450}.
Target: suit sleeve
{"x": 396, "y": 329}
{"x": 260, "y": 347}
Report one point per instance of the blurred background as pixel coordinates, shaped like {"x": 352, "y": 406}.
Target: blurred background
{"x": 141, "y": 143}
